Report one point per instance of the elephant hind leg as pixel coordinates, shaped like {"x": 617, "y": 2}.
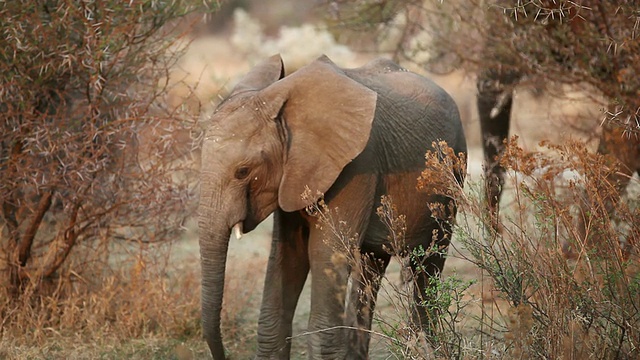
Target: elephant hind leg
{"x": 366, "y": 277}
{"x": 426, "y": 267}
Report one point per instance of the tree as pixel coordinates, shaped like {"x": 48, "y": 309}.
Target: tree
{"x": 80, "y": 82}
{"x": 586, "y": 42}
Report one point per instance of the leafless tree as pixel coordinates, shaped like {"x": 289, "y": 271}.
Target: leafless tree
{"x": 80, "y": 81}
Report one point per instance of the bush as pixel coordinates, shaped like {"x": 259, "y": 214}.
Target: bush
{"x": 91, "y": 182}
{"x": 570, "y": 293}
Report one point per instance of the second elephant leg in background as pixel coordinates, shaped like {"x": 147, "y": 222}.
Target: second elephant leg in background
{"x": 601, "y": 202}
{"x": 495, "y": 90}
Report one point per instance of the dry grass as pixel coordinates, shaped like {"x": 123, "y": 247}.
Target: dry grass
{"x": 146, "y": 306}
{"x": 82, "y": 316}
{"x": 565, "y": 293}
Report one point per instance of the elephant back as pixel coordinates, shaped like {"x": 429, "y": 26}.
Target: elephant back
{"x": 412, "y": 112}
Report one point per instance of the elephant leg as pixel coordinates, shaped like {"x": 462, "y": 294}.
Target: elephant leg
{"x": 494, "y": 110}
{"x": 330, "y": 248}
{"x": 329, "y": 273}
{"x": 286, "y": 274}
{"x": 426, "y": 274}
{"x": 366, "y": 278}
{"x": 625, "y": 149}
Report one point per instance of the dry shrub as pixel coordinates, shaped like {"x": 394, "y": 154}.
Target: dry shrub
{"x": 444, "y": 172}
{"x": 142, "y": 306}
{"x": 81, "y": 90}
{"x": 93, "y": 181}
{"x": 566, "y": 259}
{"x": 135, "y": 298}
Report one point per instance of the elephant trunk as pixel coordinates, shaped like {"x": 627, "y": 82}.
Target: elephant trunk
{"x": 214, "y": 243}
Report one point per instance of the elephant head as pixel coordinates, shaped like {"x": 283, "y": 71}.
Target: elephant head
{"x": 269, "y": 140}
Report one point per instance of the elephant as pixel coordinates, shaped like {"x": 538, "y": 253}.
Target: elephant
{"x": 352, "y": 135}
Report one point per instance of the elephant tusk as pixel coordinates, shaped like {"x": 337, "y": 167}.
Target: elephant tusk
{"x": 500, "y": 103}
{"x": 237, "y": 230}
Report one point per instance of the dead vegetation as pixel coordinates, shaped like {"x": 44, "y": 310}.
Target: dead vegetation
{"x": 566, "y": 292}
{"x": 92, "y": 188}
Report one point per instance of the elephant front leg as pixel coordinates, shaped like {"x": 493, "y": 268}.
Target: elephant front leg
{"x": 286, "y": 274}
{"x": 327, "y": 338}
{"x": 330, "y": 246}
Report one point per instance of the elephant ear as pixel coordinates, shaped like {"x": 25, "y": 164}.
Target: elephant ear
{"x": 328, "y": 118}
{"x": 261, "y": 76}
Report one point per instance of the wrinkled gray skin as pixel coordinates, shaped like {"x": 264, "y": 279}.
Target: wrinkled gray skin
{"x": 353, "y": 135}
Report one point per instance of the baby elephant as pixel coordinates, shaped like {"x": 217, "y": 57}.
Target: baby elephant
{"x": 353, "y": 135}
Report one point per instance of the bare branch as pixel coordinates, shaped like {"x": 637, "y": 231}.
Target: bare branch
{"x": 24, "y": 250}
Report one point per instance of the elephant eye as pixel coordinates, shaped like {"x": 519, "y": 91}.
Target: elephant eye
{"x": 242, "y": 172}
